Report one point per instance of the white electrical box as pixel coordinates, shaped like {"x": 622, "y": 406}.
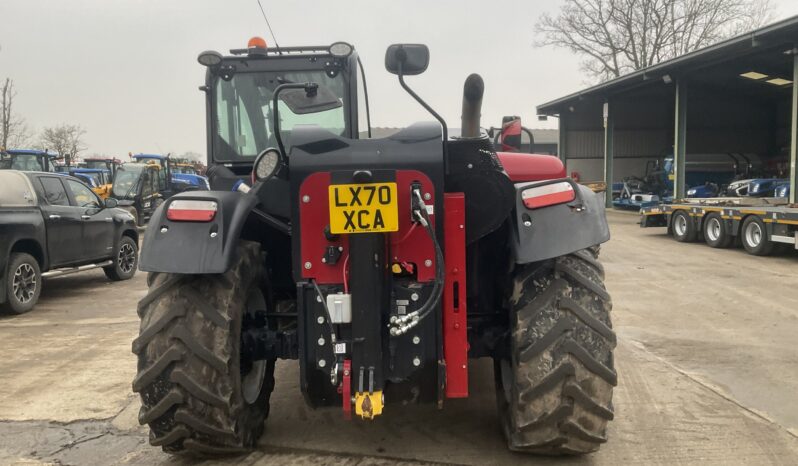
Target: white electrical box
{"x": 340, "y": 306}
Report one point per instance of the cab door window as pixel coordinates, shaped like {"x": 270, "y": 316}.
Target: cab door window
{"x": 82, "y": 195}
{"x": 148, "y": 183}
{"x": 155, "y": 187}
{"x": 162, "y": 177}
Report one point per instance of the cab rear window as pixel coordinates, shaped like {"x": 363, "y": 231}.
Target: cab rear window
{"x": 54, "y": 191}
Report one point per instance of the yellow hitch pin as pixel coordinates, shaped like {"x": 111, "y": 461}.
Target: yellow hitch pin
{"x": 368, "y": 405}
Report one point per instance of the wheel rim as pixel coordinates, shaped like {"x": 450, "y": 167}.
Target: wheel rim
{"x": 680, "y": 225}
{"x": 252, "y": 380}
{"x": 126, "y": 260}
{"x": 24, "y": 283}
{"x": 713, "y": 229}
{"x": 753, "y": 234}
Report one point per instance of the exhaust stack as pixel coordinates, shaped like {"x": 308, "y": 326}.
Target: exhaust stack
{"x": 472, "y": 106}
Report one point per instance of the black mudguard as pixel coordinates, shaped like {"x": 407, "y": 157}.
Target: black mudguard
{"x": 556, "y": 230}
{"x": 191, "y": 247}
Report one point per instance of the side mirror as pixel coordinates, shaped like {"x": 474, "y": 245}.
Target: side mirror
{"x": 407, "y": 59}
{"x": 110, "y": 203}
{"x": 312, "y": 99}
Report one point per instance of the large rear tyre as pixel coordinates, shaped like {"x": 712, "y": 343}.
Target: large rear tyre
{"x": 554, "y": 393}
{"x": 198, "y": 392}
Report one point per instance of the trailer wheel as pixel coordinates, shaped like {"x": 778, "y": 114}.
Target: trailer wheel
{"x": 684, "y": 229}
{"x": 554, "y": 392}
{"x": 199, "y": 393}
{"x": 715, "y": 233}
{"x": 23, "y": 283}
{"x": 755, "y": 237}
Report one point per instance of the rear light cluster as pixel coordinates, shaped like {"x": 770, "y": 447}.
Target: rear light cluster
{"x": 186, "y": 210}
{"x": 549, "y": 194}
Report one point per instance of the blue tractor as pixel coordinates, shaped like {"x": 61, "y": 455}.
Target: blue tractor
{"x": 187, "y": 173}
{"x": 30, "y": 160}
{"x": 782, "y": 190}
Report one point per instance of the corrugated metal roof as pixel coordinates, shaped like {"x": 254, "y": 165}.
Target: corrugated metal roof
{"x": 773, "y": 34}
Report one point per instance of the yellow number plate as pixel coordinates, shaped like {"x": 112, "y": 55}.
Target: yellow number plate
{"x": 363, "y": 208}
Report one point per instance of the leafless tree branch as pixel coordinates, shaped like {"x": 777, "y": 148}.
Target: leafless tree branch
{"x": 65, "y": 139}
{"x": 618, "y": 36}
{"x": 14, "y": 132}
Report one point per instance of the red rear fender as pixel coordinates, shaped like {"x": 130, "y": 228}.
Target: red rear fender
{"x": 531, "y": 167}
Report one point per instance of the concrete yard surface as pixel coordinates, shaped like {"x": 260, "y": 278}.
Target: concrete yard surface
{"x": 707, "y": 365}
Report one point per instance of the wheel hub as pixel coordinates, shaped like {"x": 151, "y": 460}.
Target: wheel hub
{"x": 753, "y": 234}
{"x": 680, "y": 225}
{"x": 126, "y": 259}
{"x": 713, "y": 229}
{"x": 24, "y": 283}
{"x": 253, "y": 374}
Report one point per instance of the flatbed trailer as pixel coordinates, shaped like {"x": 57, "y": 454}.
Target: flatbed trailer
{"x": 758, "y": 224}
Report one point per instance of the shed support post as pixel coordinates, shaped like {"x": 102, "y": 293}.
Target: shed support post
{"x": 680, "y": 140}
{"x": 794, "y": 131}
{"x": 609, "y": 151}
{"x": 561, "y": 148}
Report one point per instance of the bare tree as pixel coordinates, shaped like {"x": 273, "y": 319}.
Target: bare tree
{"x": 13, "y": 130}
{"x": 615, "y": 37}
{"x": 193, "y": 156}
{"x": 65, "y": 139}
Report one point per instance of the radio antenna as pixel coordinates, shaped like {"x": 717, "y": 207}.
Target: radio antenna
{"x": 269, "y": 26}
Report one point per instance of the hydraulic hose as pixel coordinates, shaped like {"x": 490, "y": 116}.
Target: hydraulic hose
{"x": 401, "y": 325}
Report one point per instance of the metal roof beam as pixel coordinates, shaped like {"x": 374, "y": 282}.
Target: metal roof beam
{"x": 609, "y": 150}
{"x": 794, "y": 132}
{"x": 680, "y": 140}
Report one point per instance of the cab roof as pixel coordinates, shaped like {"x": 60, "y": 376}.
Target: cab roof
{"x": 29, "y": 152}
{"x": 102, "y": 159}
{"x": 88, "y": 170}
{"x": 142, "y": 166}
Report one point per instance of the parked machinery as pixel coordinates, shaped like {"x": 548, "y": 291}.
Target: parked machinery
{"x": 137, "y": 188}
{"x": 103, "y": 163}
{"x": 98, "y": 179}
{"x": 27, "y": 160}
{"x": 381, "y": 265}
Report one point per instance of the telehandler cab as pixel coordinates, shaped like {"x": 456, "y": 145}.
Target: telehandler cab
{"x": 381, "y": 265}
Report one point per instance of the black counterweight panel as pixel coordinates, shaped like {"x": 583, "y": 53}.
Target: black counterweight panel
{"x": 474, "y": 169}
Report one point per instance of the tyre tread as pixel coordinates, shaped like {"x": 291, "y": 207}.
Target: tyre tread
{"x": 187, "y": 353}
{"x": 561, "y": 397}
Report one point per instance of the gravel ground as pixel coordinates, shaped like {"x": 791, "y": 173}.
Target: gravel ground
{"x": 706, "y": 358}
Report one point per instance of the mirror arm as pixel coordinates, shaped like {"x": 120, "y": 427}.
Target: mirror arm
{"x": 423, "y": 104}
{"x": 276, "y": 115}
{"x": 365, "y": 95}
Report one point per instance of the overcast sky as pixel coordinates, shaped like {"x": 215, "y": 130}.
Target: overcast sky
{"x": 126, "y": 70}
